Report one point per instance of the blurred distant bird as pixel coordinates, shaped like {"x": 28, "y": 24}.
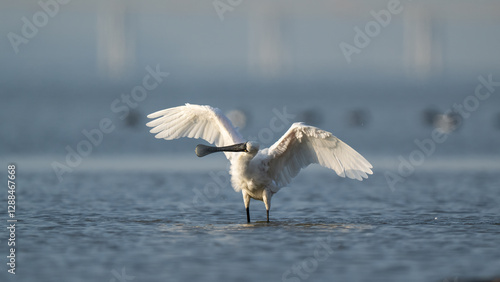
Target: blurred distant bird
{"x": 259, "y": 174}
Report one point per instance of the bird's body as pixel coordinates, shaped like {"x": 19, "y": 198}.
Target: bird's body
{"x": 259, "y": 174}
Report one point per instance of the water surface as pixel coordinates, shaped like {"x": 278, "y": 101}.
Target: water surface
{"x": 100, "y": 225}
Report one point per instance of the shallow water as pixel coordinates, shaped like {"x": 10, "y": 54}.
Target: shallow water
{"x": 178, "y": 226}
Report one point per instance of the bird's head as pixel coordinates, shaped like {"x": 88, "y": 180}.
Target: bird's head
{"x": 252, "y": 147}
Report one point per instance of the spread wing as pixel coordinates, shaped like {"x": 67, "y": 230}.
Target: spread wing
{"x": 195, "y": 121}
{"x": 303, "y": 145}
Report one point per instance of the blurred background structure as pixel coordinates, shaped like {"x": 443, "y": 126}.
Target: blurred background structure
{"x": 65, "y": 63}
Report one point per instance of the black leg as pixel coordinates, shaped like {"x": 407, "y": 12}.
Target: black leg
{"x": 248, "y": 214}
{"x": 267, "y": 215}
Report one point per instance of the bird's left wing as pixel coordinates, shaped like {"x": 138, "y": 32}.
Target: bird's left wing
{"x": 303, "y": 145}
{"x": 195, "y": 121}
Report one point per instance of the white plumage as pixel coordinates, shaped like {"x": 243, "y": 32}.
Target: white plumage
{"x": 195, "y": 121}
{"x": 259, "y": 174}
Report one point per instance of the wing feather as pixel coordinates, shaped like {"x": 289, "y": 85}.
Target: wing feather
{"x": 195, "y": 121}
{"x": 303, "y": 145}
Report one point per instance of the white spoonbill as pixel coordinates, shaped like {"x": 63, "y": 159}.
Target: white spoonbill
{"x": 259, "y": 174}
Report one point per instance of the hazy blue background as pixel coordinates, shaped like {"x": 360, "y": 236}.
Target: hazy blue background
{"x": 124, "y": 204}
{"x": 257, "y": 57}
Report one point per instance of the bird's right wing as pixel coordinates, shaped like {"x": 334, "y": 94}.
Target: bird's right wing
{"x": 303, "y": 145}
{"x": 195, "y": 121}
